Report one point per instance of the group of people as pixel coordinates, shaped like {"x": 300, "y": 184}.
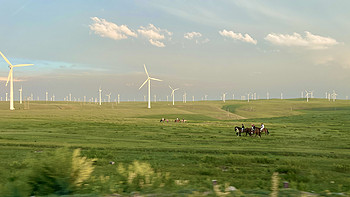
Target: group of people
{"x": 253, "y": 127}
{"x": 176, "y": 120}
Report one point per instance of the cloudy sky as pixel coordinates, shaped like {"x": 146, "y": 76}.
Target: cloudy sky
{"x": 202, "y": 47}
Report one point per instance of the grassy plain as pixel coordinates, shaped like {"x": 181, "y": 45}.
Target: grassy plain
{"x": 309, "y": 143}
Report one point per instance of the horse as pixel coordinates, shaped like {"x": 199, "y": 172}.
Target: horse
{"x": 265, "y": 130}
{"x": 255, "y": 131}
{"x": 239, "y": 131}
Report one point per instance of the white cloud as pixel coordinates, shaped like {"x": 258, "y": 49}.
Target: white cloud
{"x": 309, "y": 40}
{"x": 110, "y": 30}
{"x": 156, "y": 43}
{"x": 154, "y": 34}
{"x": 5, "y": 79}
{"x": 238, "y": 36}
{"x": 191, "y": 35}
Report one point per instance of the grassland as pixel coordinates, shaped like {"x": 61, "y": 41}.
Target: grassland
{"x": 309, "y": 143}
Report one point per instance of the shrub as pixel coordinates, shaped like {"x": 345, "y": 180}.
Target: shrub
{"x": 59, "y": 172}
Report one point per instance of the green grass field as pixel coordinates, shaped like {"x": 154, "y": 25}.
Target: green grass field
{"x": 308, "y": 145}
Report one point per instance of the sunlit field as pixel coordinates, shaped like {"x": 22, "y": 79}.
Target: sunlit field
{"x": 308, "y": 145}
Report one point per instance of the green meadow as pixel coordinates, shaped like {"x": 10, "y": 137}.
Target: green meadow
{"x": 308, "y": 145}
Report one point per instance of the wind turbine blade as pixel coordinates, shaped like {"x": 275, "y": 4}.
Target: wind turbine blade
{"x": 155, "y": 79}
{"x": 170, "y": 87}
{"x": 172, "y": 93}
{"x": 8, "y": 78}
{"x": 146, "y": 70}
{"x": 144, "y": 83}
{"x": 21, "y": 65}
{"x": 176, "y": 89}
{"x": 3, "y": 56}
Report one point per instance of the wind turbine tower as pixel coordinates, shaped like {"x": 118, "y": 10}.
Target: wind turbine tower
{"x": 10, "y": 78}
{"x": 149, "y": 85}
{"x": 46, "y": 96}
{"x": 100, "y": 94}
{"x": 224, "y": 97}
{"x": 20, "y": 95}
{"x": 267, "y": 96}
{"x": 118, "y": 98}
{"x": 173, "y": 93}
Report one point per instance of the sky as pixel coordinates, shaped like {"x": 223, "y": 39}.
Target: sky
{"x": 205, "y": 47}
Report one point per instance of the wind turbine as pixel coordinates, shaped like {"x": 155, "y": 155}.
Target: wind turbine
{"x": 118, "y": 98}
{"x": 281, "y": 95}
{"x": 334, "y": 95}
{"x": 109, "y": 97}
{"x": 267, "y": 96}
{"x": 10, "y": 77}
{"x": 307, "y": 95}
{"x": 100, "y": 91}
{"x": 224, "y": 97}
{"x": 149, "y": 85}
{"x": 46, "y": 96}
{"x": 20, "y": 95}
{"x": 173, "y": 93}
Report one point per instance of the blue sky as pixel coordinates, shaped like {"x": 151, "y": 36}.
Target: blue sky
{"x": 201, "y": 47}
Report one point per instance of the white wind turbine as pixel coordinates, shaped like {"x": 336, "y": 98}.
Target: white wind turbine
{"x": 267, "y": 95}
{"x": 20, "y": 95}
{"x": 224, "y": 97}
{"x": 307, "y": 95}
{"x": 334, "y": 96}
{"x": 100, "y": 94}
{"x": 109, "y": 97}
{"x": 173, "y": 93}
{"x": 10, "y": 78}
{"x": 149, "y": 85}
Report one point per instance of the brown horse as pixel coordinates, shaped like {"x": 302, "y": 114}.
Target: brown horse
{"x": 239, "y": 130}
{"x": 255, "y": 131}
{"x": 265, "y": 130}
